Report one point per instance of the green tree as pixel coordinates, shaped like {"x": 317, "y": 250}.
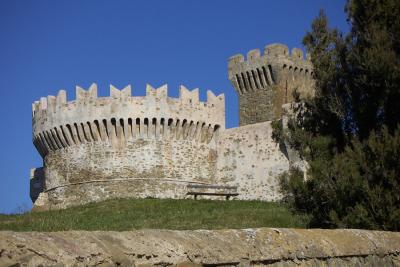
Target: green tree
{"x": 349, "y": 132}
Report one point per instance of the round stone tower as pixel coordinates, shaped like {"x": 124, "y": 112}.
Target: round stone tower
{"x": 94, "y": 148}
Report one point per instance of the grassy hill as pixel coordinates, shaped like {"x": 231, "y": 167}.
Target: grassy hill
{"x": 130, "y": 214}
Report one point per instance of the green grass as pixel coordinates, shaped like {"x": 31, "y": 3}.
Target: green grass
{"x": 130, "y": 214}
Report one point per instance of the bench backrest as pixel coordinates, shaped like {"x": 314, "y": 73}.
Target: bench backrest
{"x": 197, "y": 186}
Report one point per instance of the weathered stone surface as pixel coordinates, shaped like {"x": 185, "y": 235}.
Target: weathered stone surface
{"x": 264, "y": 83}
{"x": 95, "y": 148}
{"x": 142, "y": 168}
{"x": 249, "y": 159}
{"x": 247, "y": 247}
{"x": 153, "y": 146}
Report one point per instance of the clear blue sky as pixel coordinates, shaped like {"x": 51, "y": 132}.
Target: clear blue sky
{"x": 49, "y": 45}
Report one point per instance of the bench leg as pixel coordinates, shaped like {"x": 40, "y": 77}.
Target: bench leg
{"x": 227, "y": 197}
{"x": 195, "y": 197}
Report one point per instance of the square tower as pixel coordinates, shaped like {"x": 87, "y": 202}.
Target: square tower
{"x": 265, "y": 82}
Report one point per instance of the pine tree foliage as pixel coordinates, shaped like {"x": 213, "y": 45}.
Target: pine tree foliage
{"x": 350, "y": 131}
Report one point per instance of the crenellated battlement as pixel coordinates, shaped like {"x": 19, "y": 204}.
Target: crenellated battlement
{"x": 271, "y": 51}
{"x": 262, "y": 71}
{"x": 271, "y": 79}
{"x": 89, "y": 97}
{"x": 59, "y": 123}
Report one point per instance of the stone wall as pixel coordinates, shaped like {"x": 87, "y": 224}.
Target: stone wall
{"x": 251, "y": 160}
{"x": 36, "y": 183}
{"x": 247, "y": 247}
{"x": 94, "y": 148}
{"x": 246, "y": 157}
{"x": 140, "y": 168}
{"x": 256, "y": 106}
{"x": 264, "y": 83}
{"x": 124, "y": 146}
{"x": 58, "y": 123}
{"x": 152, "y": 146}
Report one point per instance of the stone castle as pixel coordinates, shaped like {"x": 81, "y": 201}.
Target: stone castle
{"x": 95, "y": 148}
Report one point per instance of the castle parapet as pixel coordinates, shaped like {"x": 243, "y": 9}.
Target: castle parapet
{"x": 262, "y": 71}
{"x": 266, "y": 81}
{"x": 59, "y": 123}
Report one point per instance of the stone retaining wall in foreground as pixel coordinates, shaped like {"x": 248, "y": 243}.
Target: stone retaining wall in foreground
{"x": 263, "y": 246}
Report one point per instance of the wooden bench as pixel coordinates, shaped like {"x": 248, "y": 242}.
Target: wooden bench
{"x": 211, "y": 190}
